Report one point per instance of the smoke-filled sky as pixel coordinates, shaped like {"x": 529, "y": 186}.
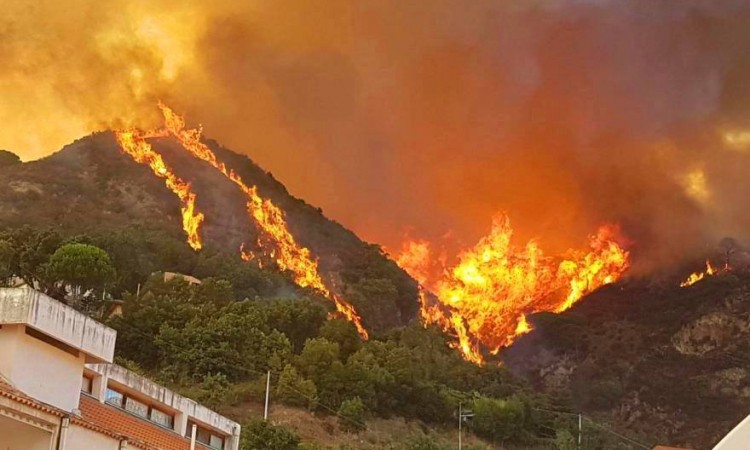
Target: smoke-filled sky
{"x": 424, "y": 117}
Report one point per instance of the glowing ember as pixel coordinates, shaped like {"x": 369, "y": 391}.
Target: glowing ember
{"x": 277, "y": 242}
{"x": 698, "y": 276}
{"x": 134, "y": 144}
{"x": 485, "y": 298}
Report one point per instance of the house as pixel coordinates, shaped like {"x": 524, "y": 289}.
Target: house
{"x": 59, "y": 389}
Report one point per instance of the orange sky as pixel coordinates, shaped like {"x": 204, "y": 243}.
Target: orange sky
{"x": 419, "y": 117}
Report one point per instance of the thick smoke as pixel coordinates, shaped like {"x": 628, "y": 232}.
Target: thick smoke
{"x": 430, "y": 115}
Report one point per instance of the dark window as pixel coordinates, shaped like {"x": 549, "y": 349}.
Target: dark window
{"x": 86, "y": 384}
{"x": 206, "y": 436}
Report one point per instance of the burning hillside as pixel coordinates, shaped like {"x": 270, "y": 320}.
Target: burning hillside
{"x": 276, "y": 242}
{"x": 483, "y": 300}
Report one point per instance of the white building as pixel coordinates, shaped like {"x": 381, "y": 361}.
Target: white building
{"x": 738, "y": 438}
{"x": 60, "y": 391}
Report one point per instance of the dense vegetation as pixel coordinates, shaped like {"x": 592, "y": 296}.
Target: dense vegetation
{"x": 91, "y": 189}
{"x": 661, "y": 361}
{"x": 105, "y": 228}
{"x": 216, "y": 341}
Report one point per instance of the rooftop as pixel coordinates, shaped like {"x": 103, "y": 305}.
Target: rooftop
{"x": 43, "y": 313}
{"x": 164, "y": 396}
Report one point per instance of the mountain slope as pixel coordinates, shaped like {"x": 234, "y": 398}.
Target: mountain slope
{"x": 669, "y": 364}
{"x": 91, "y": 186}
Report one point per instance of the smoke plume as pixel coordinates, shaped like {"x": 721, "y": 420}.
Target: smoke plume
{"x": 430, "y": 116}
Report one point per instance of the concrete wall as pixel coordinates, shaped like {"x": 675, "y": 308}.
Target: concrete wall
{"x": 16, "y": 435}
{"x": 39, "y": 369}
{"x": 8, "y": 344}
{"x": 80, "y": 438}
{"x": 57, "y": 320}
{"x": 162, "y": 395}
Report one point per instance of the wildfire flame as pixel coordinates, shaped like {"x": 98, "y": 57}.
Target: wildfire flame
{"x": 698, "y": 276}
{"x": 133, "y": 143}
{"x": 277, "y": 241}
{"x": 484, "y": 299}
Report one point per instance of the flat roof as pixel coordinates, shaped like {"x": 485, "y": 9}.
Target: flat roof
{"x": 166, "y": 397}
{"x": 26, "y": 306}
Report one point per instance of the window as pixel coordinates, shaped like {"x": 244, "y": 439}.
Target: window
{"x": 161, "y": 418}
{"x": 136, "y": 407}
{"x": 86, "y": 384}
{"x": 140, "y": 409}
{"x": 216, "y": 442}
{"x": 205, "y": 436}
{"x": 114, "y": 398}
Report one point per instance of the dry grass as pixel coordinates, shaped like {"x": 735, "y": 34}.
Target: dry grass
{"x": 381, "y": 434}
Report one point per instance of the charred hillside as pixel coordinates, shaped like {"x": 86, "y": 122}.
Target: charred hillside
{"x": 665, "y": 363}
{"x": 91, "y": 186}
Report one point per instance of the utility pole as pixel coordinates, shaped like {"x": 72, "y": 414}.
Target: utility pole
{"x": 462, "y": 415}
{"x": 268, "y": 392}
{"x": 460, "y": 419}
{"x": 580, "y": 429}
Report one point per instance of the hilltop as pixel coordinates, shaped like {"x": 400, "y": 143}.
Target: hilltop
{"x": 91, "y": 187}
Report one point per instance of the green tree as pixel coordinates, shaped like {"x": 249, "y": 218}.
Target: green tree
{"x": 213, "y": 390}
{"x": 84, "y": 268}
{"x": 7, "y": 253}
{"x": 343, "y": 333}
{"x": 28, "y": 251}
{"x": 500, "y": 420}
{"x": 352, "y": 415}
{"x": 298, "y": 319}
{"x": 564, "y": 440}
{"x": 294, "y": 390}
{"x": 317, "y": 357}
{"x": 260, "y": 435}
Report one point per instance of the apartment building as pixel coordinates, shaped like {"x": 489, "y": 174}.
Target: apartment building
{"x": 59, "y": 389}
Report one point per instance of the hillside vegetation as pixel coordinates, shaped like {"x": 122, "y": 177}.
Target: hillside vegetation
{"x": 652, "y": 358}
{"x": 217, "y": 340}
{"x": 90, "y": 187}
{"x": 643, "y": 360}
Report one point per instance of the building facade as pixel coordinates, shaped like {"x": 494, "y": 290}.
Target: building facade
{"x": 59, "y": 389}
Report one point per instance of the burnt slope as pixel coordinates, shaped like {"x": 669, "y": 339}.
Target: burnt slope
{"x": 90, "y": 186}
{"x": 667, "y": 364}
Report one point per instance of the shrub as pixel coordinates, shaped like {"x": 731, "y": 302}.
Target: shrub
{"x": 294, "y": 390}
{"x": 260, "y": 435}
{"x": 423, "y": 443}
{"x": 352, "y": 415}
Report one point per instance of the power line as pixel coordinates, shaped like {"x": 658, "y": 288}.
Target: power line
{"x": 607, "y": 429}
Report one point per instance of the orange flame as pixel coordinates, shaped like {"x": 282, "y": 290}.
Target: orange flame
{"x": 698, "y": 276}
{"x": 485, "y": 298}
{"x": 269, "y": 218}
{"x": 134, "y": 144}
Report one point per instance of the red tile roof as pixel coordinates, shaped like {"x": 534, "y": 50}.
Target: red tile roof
{"x": 126, "y": 424}
{"x": 9, "y": 391}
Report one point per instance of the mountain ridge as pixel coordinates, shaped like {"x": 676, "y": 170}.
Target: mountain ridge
{"x": 90, "y": 185}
